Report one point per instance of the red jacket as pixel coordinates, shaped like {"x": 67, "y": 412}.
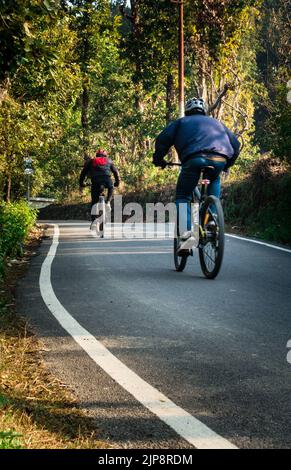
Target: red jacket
{"x": 99, "y": 168}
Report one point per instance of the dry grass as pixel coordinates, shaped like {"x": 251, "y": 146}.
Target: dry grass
{"x": 36, "y": 410}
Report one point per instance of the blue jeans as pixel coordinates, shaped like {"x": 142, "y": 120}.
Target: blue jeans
{"x": 188, "y": 180}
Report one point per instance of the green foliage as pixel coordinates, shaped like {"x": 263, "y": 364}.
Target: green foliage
{"x": 17, "y": 31}
{"x": 84, "y": 74}
{"x": 273, "y": 58}
{"x": 277, "y": 135}
{"x": 16, "y": 220}
{"x": 39, "y": 112}
{"x": 10, "y": 440}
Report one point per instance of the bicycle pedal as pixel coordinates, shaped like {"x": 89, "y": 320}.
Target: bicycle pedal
{"x": 183, "y": 252}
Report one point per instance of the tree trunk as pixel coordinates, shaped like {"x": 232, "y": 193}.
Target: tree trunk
{"x": 135, "y": 21}
{"x": 84, "y": 119}
{"x": 170, "y": 100}
{"x": 139, "y": 105}
{"x": 7, "y": 190}
{"x": 85, "y": 59}
{"x": 4, "y": 87}
{"x": 170, "y": 97}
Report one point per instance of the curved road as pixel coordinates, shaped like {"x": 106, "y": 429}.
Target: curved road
{"x": 216, "y": 349}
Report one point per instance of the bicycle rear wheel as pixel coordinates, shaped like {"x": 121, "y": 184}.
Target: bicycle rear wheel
{"x": 179, "y": 260}
{"x": 211, "y": 244}
{"x": 101, "y": 229}
{"x": 100, "y": 223}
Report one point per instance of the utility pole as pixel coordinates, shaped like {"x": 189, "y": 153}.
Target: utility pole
{"x": 180, "y": 4}
{"x": 28, "y": 188}
{"x": 181, "y": 60}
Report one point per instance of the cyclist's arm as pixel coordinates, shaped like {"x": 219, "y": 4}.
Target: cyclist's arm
{"x": 235, "y": 145}
{"x": 84, "y": 173}
{"x": 115, "y": 174}
{"x": 164, "y": 141}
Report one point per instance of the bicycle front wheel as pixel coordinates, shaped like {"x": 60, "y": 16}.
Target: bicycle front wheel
{"x": 211, "y": 243}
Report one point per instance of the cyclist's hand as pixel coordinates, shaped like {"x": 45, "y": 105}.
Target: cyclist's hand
{"x": 161, "y": 163}
{"x": 116, "y": 184}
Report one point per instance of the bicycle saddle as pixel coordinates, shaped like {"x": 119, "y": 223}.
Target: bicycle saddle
{"x": 207, "y": 167}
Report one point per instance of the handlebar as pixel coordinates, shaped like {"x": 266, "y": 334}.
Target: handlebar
{"x": 208, "y": 166}
{"x": 173, "y": 164}
{"x": 179, "y": 164}
{"x": 204, "y": 168}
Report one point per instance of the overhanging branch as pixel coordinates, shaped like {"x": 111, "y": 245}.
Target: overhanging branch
{"x": 213, "y": 106}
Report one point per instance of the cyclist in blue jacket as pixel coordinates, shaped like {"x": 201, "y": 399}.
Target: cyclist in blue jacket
{"x": 199, "y": 140}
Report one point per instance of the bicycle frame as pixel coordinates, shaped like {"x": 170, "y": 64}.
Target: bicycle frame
{"x": 211, "y": 232}
{"x": 99, "y": 210}
{"x": 199, "y": 194}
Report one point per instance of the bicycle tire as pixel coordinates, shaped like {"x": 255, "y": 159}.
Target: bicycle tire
{"x": 216, "y": 237}
{"x": 100, "y": 225}
{"x": 101, "y": 230}
{"x": 97, "y": 229}
{"x": 179, "y": 261}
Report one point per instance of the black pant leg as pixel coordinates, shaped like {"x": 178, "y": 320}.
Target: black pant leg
{"x": 109, "y": 194}
{"x": 95, "y": 193}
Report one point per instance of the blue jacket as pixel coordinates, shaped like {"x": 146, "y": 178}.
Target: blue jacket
{"x": 197, "y": 134}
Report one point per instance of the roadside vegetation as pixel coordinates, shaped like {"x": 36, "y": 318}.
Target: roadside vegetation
{"x": 36, "y": 410}
{"x": 259, "y": 204}
{"x": 16, "y": 221}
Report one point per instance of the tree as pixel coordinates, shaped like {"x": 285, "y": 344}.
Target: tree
{"x": 41, "y": 94}
{"x": 273, "y": 58}
{"x": 17, "y": 38}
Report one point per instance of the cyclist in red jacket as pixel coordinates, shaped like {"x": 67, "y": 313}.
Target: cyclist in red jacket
{"x": 99, "y": 170}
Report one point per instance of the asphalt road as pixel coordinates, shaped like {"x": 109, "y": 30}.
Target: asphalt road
{"x": 217, "y": 349}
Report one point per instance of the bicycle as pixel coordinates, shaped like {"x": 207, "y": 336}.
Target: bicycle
{"x": 211, "y": 231}
{"x": 99, "y": 211}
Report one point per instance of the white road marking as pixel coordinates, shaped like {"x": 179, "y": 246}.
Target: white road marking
{"x": 112, "y": 253}
{"x": 182, "y": 422}
{"x": 259, "y": 243}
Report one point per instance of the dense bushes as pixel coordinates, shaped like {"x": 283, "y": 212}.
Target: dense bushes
{"x": 15, "y": 222}
{"x": 259, "y": 205}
